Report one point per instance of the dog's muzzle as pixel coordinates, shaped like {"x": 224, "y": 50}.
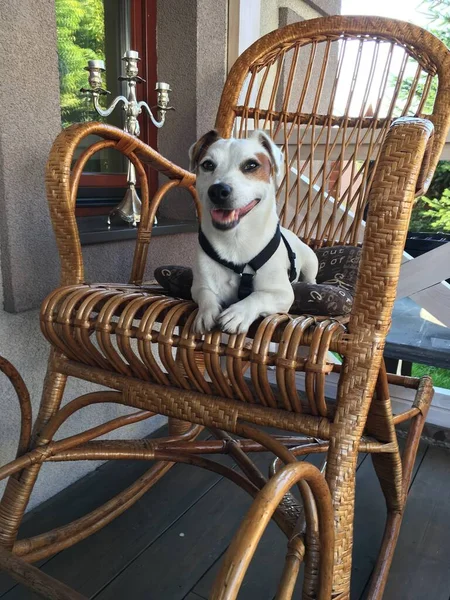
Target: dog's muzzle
{"x": 222, "y": 216}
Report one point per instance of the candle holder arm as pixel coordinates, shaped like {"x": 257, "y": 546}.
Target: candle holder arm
{"x": 161, "y": 113}
{"x": 106, "y": 112}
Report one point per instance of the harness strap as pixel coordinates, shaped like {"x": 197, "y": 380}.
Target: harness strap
{"x": 292, "y": 257}
{"x": 246, "y": 283}
{"x": 210, "y": 251}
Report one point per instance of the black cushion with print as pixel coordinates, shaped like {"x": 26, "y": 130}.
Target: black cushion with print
{"x": 332, "y": 295}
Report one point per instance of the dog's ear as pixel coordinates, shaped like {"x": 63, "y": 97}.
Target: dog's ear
{"x": 198, "y": 150}
{"x": 275, "y": 154}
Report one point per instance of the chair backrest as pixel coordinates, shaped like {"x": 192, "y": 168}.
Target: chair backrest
{"x": 327, "y": 91}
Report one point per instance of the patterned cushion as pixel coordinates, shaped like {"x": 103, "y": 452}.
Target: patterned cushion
{"x": 332, "y": 295}
{"x": 320, "y": 300}
{"x": 338, "y": 266}
{"x": 177, "y": 281}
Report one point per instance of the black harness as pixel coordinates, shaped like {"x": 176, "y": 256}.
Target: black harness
{"x": 246, "y": 283}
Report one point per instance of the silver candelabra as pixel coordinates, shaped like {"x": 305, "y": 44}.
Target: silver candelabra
{"x": 130, "y": 208}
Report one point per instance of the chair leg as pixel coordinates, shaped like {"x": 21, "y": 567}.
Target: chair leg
{"x": 395, "y": 514}
{"x": 177, "y": 427}
{"x": 14, "y": 502}
{"x": 20, "y": 485}
{"x": 36, "y": 581}
{"x": 385, "y": 556}
{"x": 244, "y": 544}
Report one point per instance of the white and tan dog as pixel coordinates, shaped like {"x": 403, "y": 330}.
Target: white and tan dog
{"x": 236, "y": 184}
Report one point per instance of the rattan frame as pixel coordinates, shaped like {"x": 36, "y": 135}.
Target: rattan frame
{"x": 123, "y": 354}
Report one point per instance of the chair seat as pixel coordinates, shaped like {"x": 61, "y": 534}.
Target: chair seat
{"x": 139, "y": 332}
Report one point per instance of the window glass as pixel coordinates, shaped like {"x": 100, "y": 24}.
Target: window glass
{"x": 92, "y": 29}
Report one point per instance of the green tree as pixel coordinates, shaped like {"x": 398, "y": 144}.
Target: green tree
{"x": 438, "y": 12}
{"x": 439, "y": 212}
{"x": 81, "y": 37}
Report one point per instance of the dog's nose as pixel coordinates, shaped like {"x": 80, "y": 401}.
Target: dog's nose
{"x": 219, "y": 193}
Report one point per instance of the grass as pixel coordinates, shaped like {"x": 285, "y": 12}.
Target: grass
{"x": 441, "y": 377}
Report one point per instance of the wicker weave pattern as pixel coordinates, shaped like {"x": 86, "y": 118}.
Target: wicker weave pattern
{"x": 139, "y": 343}
{"x": 62, "y": 186}
{"x": 99, "y": 324}
{"x": 327, "y": 90}
{"x": 391, "y": 201}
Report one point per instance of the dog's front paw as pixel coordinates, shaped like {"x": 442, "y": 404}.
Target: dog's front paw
{"x": 206, "y": 319}
{"x": 236, "y": 319}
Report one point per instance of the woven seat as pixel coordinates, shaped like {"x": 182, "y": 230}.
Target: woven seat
{"x": 361, "y": 109}
{"x": 138, "y": 332}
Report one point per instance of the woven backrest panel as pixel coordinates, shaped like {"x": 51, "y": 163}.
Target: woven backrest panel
{"x": 327, "y": 93}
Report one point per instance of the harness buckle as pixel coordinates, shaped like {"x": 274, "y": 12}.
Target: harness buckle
{"x": 245, "y": 285}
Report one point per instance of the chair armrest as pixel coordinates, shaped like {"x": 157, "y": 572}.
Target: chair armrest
{"x": 390, "y": 204}
{"x": 427, "y": 165}
{"x": 62, "y": 185}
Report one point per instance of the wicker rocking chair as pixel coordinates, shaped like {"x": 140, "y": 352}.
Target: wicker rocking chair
{"x": 348, "y": 100}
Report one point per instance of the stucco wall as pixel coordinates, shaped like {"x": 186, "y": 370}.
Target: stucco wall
{"x": 29, "y": 122}
{"x": 270, "y": 12}
{"x": 192, "y": 51}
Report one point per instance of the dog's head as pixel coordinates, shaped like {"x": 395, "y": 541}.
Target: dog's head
{"x": 235, "y": 176}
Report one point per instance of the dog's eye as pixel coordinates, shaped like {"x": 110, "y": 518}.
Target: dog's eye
{"x": 250, "y": 165}
{"x": 208, "y": 165}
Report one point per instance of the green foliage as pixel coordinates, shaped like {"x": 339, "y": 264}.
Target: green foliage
{"x": 419, "y": 220}
{"x": 438, "y": 12}
{"x": 432, "y": 212}
{"x": 441, "y": 180}
{"x": 81, "y": 37}
{"x": 441, "y": 377}
{"x": 433, "y": 215}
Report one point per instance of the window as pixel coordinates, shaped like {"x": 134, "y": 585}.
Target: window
{"x": 104, "y": 29}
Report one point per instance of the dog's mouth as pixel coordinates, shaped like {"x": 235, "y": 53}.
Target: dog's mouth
{"x": 227, "y": 219}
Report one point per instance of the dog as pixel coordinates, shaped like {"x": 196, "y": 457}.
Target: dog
{"x": 245, "y": 262}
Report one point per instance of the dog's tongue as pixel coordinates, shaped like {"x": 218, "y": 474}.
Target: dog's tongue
{"x": 227, "y": 216}
{"x": 224, "y": 216}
